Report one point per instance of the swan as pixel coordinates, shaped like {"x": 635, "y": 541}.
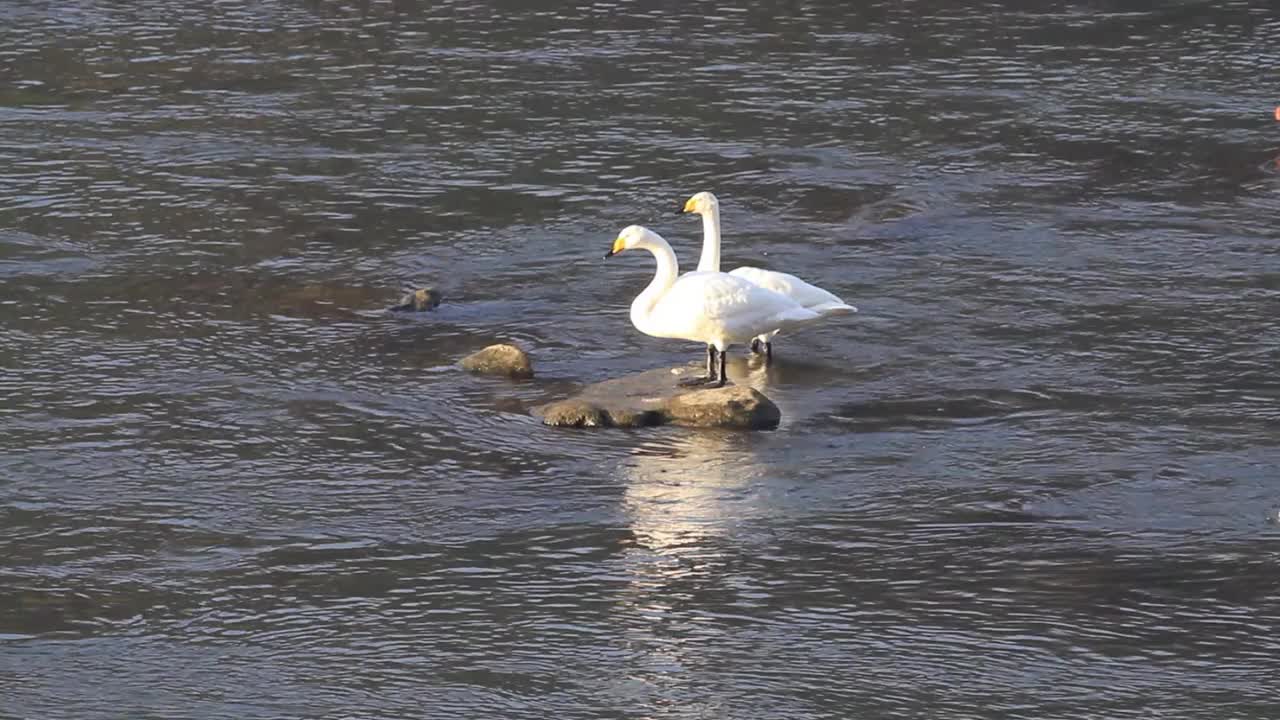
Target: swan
{"x": 713, "y": 308}
{"x": 809, "y": 296}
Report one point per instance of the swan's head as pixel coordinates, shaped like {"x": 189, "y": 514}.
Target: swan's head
{"x": 631, "y": 237}
{"x": 702, "y": 203}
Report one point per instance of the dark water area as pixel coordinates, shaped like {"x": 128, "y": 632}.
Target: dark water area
{"x": 1034, "y": 477}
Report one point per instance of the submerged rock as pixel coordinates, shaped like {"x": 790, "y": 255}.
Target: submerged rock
{"x": 503, "y": 359}
{"x": 656, "y": 398}
{"x": 575, "y": 413}
{"x": 421, "y": 300}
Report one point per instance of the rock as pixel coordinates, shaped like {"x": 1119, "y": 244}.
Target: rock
{"x": 503, "y": 359}
{"x": 419, "y": 301}
{"x": 729, "y": 406}
{"x": 575, "y": 413}
{"x": 656, "y": 398}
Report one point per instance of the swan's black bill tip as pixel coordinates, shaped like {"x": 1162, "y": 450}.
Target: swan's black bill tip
{"x": 609, "y": 254}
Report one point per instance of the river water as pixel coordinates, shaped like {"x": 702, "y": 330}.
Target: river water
{"x": 1035, "y": 476}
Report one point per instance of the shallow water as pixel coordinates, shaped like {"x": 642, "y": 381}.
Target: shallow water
{"x": 1034, "y": 477}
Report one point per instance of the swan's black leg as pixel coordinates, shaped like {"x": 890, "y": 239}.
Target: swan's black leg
{"x": 710, "y": 377}
{"x": 720, "y": 383}
{"x": 768, "y": 351}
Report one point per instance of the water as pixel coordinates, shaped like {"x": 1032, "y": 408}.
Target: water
{"x": 1034, "y": 477}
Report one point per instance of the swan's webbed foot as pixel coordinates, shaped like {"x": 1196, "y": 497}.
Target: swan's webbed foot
{"x": 696, "y": 381}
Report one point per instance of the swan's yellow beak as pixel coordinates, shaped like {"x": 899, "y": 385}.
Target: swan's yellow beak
{"x": 617, "y": 248}
{"x": 691, "y": 205}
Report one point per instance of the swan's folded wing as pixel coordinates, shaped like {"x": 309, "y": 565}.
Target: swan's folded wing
{"x": 700, "y": 300}
{"x": 720, "y": 304}
{"x": 775, "y": 281}
{"x": 810, "y": 296}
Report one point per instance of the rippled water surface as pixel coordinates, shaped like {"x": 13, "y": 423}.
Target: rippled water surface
{"x": 1034, "y": 477}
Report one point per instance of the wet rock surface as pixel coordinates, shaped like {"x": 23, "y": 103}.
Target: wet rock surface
{"x": 655, "y": 397}
{"x": 502, "y": 359}
{"x": 421, "y": 300}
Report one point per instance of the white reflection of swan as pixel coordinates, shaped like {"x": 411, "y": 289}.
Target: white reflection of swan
{"x": 688, "y": 496}
{"x": 689, "y": 489}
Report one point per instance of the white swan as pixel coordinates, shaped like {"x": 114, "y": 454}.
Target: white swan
{"x": 714, "y": 308}
{"x": 809, "y": 296}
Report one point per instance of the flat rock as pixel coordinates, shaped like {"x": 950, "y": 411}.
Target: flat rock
{"x": 654, "y": 397}
{"x": 503, "y": 359}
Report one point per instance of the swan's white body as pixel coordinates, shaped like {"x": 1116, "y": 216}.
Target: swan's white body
{"x": 806, "y": 295}
{"x": 714, "y": 308}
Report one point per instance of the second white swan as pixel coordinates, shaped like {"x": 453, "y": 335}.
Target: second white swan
{"x": 714, "y": 308}
{"x": 809, "y": 296}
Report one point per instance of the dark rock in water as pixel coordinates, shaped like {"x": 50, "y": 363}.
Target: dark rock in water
{"x": 656, "y": 398}
{"x": 577, "y": 413}
{"x": 507, "y": 360}
{"x": 419, "y": 301}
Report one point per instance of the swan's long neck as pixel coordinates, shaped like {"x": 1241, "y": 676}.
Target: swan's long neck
{"x": 663, "y": 279}
{"x": 710, "y": 260}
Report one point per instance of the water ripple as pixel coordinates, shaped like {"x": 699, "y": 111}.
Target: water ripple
{"x": 1032, "y": 478}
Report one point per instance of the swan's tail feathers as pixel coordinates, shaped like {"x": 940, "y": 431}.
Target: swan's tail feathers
{"x": 797, "y": 316}
{"x": 834, "y": 308}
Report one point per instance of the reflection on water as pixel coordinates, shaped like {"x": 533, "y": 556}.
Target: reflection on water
{"x": 1033, "y": 477}
{"x": 688, "y": 489}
